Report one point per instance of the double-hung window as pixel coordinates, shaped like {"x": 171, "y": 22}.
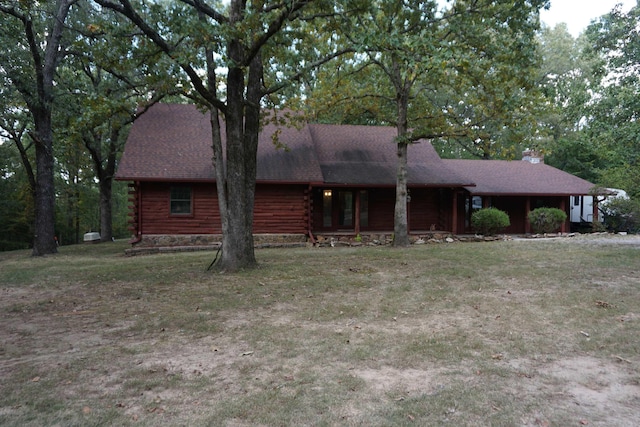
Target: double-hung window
{"x": 180, "y": 200}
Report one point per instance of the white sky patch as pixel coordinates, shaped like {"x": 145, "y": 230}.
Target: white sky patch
{"x": 578, "y": 14}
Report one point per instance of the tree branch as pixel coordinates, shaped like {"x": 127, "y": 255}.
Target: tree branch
{"x": 125, "y": 8}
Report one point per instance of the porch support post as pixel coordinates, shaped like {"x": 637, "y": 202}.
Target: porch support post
{"x": 357, "y": 213}
{"x": 563, "y": 208}
{"x": 596, "y": 211}
{"x": 527, "y": 209}
{"x": 454, "y": 216}
{"x": 309, "y": 213}
{"x": 408, "y": 211}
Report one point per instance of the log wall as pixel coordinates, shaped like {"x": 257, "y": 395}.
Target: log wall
{"x": 278, "y": 209}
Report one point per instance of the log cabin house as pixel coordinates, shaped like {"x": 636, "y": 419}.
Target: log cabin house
{"x": 327, "y": 180}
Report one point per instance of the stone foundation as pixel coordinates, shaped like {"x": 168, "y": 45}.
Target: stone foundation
{"x": 163, "y": 240}
{"x": 160, "y": 243}
{"x": 378, "y": 239}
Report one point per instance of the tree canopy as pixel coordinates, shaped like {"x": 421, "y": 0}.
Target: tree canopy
{"x": 477, "y": 78}
{"x": 463, "y": 72}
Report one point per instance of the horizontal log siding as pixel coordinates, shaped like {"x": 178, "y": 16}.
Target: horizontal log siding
{"x": 424, "y": 209}
{"x": 156, "y": 219}
{"x": 280, "y": 209}
{"x": 381, "y": 206}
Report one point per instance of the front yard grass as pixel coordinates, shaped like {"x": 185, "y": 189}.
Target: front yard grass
{"x": 466, "y": 334}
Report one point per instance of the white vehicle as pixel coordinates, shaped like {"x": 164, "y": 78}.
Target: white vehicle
{"x": 582, "y": 206}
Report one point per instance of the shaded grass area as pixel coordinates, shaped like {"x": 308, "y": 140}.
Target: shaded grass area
{"x": 459, "y": 334}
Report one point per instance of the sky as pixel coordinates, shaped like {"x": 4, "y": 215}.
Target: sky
{"x": 577, "y": 14}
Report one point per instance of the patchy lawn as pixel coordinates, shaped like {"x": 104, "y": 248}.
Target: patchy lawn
{"x": 527, "y": 333}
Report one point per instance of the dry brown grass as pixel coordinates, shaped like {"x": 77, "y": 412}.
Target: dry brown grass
{"x": 504, "y": 333}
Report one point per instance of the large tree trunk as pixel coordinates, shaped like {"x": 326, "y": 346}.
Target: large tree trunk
{"x": 44, "y": 241}
{"x": 400, "y": 223}
{"x": 39, "y": 99}
{"x": 105, "y": 175}
{"x": 400, "y": 219}
{"x": 236, "y": 192}
{"x": 106, "y": 222}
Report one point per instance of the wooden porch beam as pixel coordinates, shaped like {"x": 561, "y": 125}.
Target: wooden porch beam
{"x": 454, "y": 207}
{"x": 527, "y": 209}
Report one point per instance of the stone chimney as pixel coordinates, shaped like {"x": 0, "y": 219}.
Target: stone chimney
{"x": 532, "y": 156}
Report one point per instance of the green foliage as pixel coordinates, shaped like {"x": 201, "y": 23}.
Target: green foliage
{"x": 489, "y": 221}
{"x": 16, "y": 201}
{"x": 465, "y": 74}
{"x": 546, "y": 220}
{"x": 621, "y": 214}
{"x": 611, "y": 115}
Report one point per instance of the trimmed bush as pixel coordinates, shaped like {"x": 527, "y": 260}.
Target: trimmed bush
{"x": 489, "y": 221}
{"x": 622, "y": 214}
{"x": 546, "y": 220}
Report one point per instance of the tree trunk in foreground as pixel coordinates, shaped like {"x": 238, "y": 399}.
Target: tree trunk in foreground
{"x": 44, "y": 240}
{"x": 400, "y": 220}
{"x": 236, "y": 178}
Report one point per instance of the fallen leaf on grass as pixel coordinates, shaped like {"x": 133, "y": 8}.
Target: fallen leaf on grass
{"x": 35, "y": 379}
{"x": 247, "y": 353}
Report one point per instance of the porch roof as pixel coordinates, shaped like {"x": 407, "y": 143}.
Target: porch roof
{"x": 518, "y": 178}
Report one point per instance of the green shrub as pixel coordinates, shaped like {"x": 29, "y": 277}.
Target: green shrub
{"x": 489, "y": 221}
{"x": 546, "y": 220}
{"x": 622, "y": 214}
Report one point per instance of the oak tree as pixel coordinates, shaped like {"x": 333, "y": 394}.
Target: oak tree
{"x": 463, "y": 71}
{"x": 235, "y": 56}
{"x": 34, "y": 32}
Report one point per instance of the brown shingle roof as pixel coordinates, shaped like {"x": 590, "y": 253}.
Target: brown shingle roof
{"x": 367, "y": 155}
{"x": 172, "y": 142}
{"x": 517, "y": 177}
